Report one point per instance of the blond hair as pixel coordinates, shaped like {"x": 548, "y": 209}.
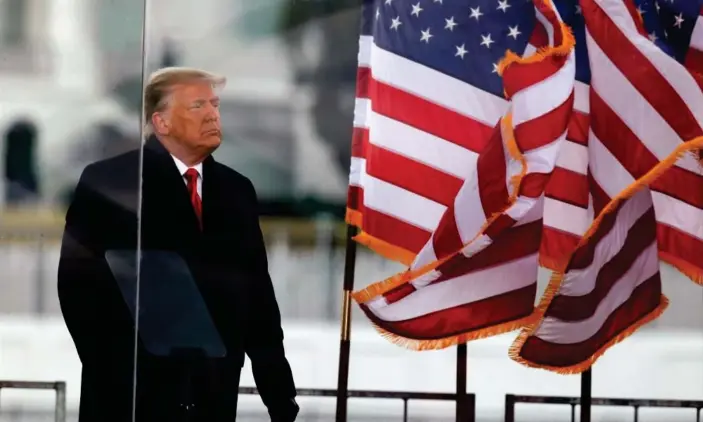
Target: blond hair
{"x": 158, "y": 89}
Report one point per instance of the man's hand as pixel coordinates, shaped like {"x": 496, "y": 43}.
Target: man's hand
{"x": 286, "y": 412}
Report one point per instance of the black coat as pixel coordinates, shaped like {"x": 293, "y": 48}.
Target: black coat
{"x": 228, "y": 262}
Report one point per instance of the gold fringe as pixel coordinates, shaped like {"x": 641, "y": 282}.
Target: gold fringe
{"x": 558, "y": 275}
{"x": 691, "y": 271}
{"x": 443, "y": 343}
{"x": 568, "y": 42}
{"x": 380, "y": 247}
{"x": 381, "y": 287}
{"x": 578, "y": 368}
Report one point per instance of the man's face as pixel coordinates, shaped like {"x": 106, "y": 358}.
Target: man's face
{"x": 194, "y": 116}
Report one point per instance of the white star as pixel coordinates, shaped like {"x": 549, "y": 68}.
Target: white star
{"x": 640, "y": 11}
{"x": 503, "y": 5}
{"x": 486, "y": 40}
{"x": 476, "y": 13}
{"x": 438, "y": 1}
{"x": 416, "y": 9}
{"x": 450, "y": 24}
{"x": 378, "y": 13}
{"x": 653, "y": 37}
{"x": 666, "y": 35}
{"x": 656, "y": 5}
{"x": 495, "y": 68}
{"x": 578, "y": 9}
{"x": 460, "y": 51}
{"x": 678, "y": 20}
{"x": 388, "y": 2}
{"x": 513, "y": 31}
{"x": 426, "y": 36}
{"x": 395, "y": 23}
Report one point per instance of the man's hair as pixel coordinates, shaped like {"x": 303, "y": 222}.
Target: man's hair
{"x": 158, "y": 89}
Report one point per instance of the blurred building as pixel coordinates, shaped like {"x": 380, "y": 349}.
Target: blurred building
{"x": 77, "y": 65}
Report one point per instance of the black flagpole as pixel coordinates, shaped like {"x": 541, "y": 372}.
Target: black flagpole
{"x": 586, "y": 396}
{"x": 461, "y": 402}
{"x": 345, "y": 335}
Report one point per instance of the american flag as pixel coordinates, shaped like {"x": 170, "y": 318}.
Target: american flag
{"x": 637, "y": 171}
{"x": 450, "y": 160}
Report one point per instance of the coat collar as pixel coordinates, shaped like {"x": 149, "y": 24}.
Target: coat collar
{"x": 159, "y": 164}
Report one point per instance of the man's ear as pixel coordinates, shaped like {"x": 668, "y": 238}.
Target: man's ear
{"x": 160, "y": 123}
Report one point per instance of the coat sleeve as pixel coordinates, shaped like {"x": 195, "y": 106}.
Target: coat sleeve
{"x": 264, "y": 341}
{"x": 85, "y": 288}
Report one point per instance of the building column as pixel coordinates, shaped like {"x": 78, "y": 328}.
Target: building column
{"x": 71, "y": 35}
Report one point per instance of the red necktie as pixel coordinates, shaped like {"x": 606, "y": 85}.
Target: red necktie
{"x": 191, "y": 176}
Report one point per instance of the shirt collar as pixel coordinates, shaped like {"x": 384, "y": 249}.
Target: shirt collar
{"x": 182, "y": 168}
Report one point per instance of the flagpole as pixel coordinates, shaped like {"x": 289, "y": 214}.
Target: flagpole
{"x": 461, "y": 366}
{"x": 586, "y": 396}
{"x": 345, "y": 334}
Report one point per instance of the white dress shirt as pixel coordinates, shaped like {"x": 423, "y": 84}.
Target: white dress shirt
{"x": 182, "y": 168}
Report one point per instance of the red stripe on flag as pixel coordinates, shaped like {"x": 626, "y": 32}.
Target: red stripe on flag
{"x": 491, "y": 171}
{"x": 556, "y": 246}
{"x": 355, "y": 198}
{"x": 519, "y": 242}
{"x": 411, "y": 175}
{"x": 694, "y": 62}
{"x": 639, "y": 238}
{"x": 363, "y": 79}
{"x": 360, "y": 141}
{"x": 638, "y": 160}
{"x": 645, "y": 299}
{"x": 428, "y": 117}
{"x": 676, "y": 246}
{"x": 537, "y": 133}
{"x": 578, "y": 128}
{"x": 642, "y": 74}
{"x": 530, "y": 74}
{"x": 539, "y": 37}
{"x": 472, "y": 316}
{"x": 533, "y": 184}
{"x": 393, "y": 230}
{"x": 446, "y": 238}
{"x": 568, "y": 186}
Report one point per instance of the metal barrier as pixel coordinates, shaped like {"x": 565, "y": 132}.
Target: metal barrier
{"x": 58, "y": 386}
{"x": 375, "y": 394}
{"x": 511, "y": 400}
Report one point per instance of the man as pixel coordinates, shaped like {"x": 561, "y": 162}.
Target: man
{"x": 204, "y": 212}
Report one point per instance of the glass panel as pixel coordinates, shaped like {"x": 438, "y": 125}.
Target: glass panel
{"x": 63, "y": 317}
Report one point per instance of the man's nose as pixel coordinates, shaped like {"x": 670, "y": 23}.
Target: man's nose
{"x": 213, "y": 114}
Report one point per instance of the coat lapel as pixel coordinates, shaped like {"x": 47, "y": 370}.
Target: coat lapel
{"x": 212, "y": 196}
{"x": 164, "y": 184}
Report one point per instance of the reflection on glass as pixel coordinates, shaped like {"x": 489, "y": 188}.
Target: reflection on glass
{"x": 57, "y": 116}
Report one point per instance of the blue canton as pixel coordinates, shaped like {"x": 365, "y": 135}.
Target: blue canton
{"x": 467, "y": 38}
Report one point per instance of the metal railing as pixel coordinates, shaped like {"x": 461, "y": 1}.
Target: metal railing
{"x": 636, "y": 404}
{"x": 58, "y": 386}
{"x": 405, "y": 396}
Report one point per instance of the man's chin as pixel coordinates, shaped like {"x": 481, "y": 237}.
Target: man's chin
{"x": 212, "y": 141}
